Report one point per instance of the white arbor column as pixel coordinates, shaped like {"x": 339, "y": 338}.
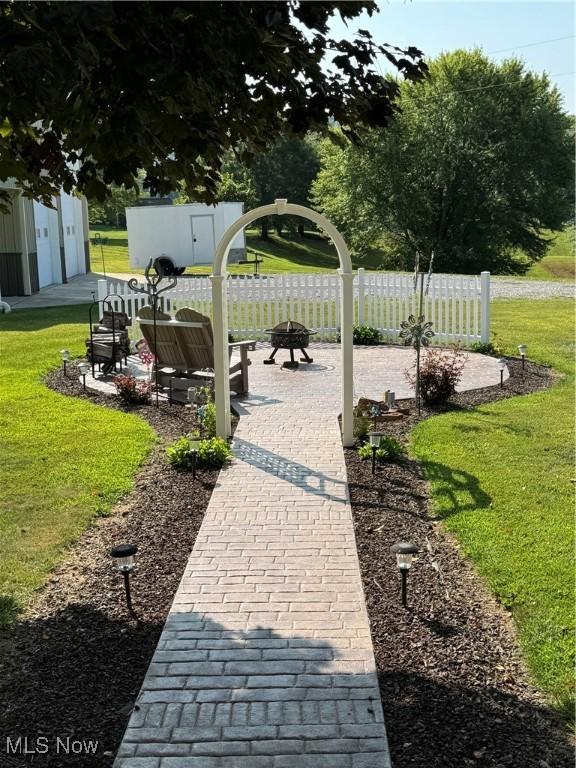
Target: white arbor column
{"x": 347, "y": 350}
{"x": 221, "y": 357}
{"x": 220, "y": 307}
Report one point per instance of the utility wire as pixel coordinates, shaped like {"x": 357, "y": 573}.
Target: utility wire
{"x": 503, "y": 85}
{"x": 530, "y": 45}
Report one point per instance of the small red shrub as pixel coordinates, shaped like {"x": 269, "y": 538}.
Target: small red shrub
{"x": 440, "y": 373}
{"x": 132, "y": 390}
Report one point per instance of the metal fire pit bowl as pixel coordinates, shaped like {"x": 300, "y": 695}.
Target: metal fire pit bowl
{"x": 289, "y": 335}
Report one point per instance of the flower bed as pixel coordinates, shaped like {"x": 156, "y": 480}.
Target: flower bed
{"x": 73, "y": 665}
{"x": 454, "y": 688}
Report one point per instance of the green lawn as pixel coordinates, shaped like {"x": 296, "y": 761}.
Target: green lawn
{"x": 501, "y": 480}
{"x": 64, "y": 461}
{"x": 312, "y": 254}
{"x": 558, "y": 264}
{"x": 113, "y": 256}
{"x": 280, "y": 254}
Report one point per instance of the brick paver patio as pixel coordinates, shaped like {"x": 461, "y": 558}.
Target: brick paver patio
{"x": 266, "y": 659}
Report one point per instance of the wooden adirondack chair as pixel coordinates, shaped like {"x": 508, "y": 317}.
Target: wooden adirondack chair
{"x": 186, "y": 343}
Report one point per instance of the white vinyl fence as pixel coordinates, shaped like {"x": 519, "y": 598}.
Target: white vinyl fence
{"x": 457, "y": 305}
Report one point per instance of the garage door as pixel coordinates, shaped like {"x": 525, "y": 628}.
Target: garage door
{"x": 43, "y": 250}
{"x": 69, "y": 231}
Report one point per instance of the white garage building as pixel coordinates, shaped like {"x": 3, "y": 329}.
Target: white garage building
{"x": 40, "y": 246}
{"x": 186, "y": 234}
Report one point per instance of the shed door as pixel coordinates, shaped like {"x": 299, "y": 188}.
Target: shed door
{"x": 203, "y": 240}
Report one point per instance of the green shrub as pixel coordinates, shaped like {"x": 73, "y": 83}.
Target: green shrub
{"x": 493, "y": 347}
{"x": 179, "y": 454}
{"x": 207, "y": 417}
{"x": 367, "y": 336}
{"x": 362, "y": 426}
{"x": 388, "y": 450}
{"x": 212, "y": 453}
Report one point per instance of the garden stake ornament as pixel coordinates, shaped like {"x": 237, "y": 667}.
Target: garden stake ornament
{"x": 153, "y": 291}
{"x": 415, "y": 331}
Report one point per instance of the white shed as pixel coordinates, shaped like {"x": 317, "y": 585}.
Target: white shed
{"x": 186, "y": 234}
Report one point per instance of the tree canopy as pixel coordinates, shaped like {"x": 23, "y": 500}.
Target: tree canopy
{"x": 287, "y": 170}
{"x": 94, "y": 91}
{"x": 475, "y": 167}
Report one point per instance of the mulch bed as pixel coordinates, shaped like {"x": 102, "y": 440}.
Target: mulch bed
{"x": 72, "y": 666}
{"x": 454, "y": 689}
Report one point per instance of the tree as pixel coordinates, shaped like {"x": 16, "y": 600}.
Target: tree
{"x": 286, "y": 171}
{"x": 112, "y": 211}
{"x": 475, "y": 167}
{"x": 93, "y": 91}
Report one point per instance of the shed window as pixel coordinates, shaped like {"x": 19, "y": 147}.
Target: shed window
{"x": 73, "y": 231}
{"x": 45, "y": 231}
{"x": 67, "y": 230}
{"x": 37, "y": 233}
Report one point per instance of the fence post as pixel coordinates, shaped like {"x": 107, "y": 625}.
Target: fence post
{"x": 102, "y": 289}
{"x": 485, "y": 307}
{"x": 361, "y": 275}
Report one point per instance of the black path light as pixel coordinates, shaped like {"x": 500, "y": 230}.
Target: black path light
{"x": 65, "y": 356}
{"x": 84, "y": 367}
{"x": 404, "y": 551}
{"x": 153, "y": 291}
{"x": 123, "y": 555}
{"x": 501, "y": 368}
{"x": 522, "y": 348}
{"x": 194, "y": 446}
{"x": 374, "y": 438}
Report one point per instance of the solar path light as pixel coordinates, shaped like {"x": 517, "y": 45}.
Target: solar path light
{"x": 194, "y": 445}
{"x": 83, "y": 367}
{"x": 501, "y": 368}
{"x": 123, "y": 556}
{"x": 404, "y": 551}
{"x": 374, "y": 438}
{"x": 522, "y": 348}
{"x": 65, "y": 356}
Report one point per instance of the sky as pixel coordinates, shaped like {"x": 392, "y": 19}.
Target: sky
{"x": 521, "y": 28}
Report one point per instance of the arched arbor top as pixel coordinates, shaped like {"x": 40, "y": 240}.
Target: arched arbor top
{"x": 281, "y": 207}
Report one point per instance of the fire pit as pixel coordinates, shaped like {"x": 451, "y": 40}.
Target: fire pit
{"x": 289, "y": 335}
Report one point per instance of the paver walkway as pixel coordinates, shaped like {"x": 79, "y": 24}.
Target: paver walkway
{"x": 266, "y": 659}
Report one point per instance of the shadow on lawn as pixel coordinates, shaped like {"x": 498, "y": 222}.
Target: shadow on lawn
{"x": 455, "y": 489}
{"x": 490, "y": 424}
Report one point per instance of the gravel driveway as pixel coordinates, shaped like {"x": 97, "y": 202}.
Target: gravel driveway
{"x": 504, "y": 288}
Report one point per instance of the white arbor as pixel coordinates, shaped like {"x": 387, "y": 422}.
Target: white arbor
{"x": 220, "y": 308}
